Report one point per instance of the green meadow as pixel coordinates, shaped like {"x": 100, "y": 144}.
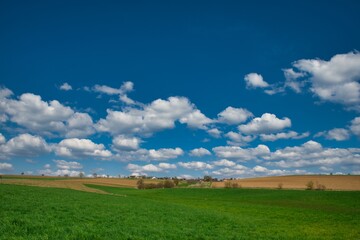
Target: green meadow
{"x": 179, "y": 213}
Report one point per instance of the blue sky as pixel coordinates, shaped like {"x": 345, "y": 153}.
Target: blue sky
{"x": 181, "y": 88}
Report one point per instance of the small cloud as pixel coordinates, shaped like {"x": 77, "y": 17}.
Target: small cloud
{"x": 199, "y": 152}
{"x": 255, "y": 80}
{"x": 66, "y": 87}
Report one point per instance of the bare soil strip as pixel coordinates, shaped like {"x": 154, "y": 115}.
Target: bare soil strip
{"x": 348, "y": 183}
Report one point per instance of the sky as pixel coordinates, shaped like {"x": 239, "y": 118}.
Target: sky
{"x": 230, "y": 89}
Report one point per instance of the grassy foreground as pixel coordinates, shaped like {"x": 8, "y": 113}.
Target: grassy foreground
{"x": 49, "y": 213}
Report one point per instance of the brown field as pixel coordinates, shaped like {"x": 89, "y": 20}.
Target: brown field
{"x": 337, "y": 182}
{"x": 72, "y": 183}
{"x": 348, "y": 183}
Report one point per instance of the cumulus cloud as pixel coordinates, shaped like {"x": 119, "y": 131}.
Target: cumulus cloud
{"x": 292, "y": 80}
{"x": 313, "y": 153}
{"x": 125, "y": 143}
{"x": 125, "y": 88}
{"x": 2, "y": 139}
{"x": 224, "y": 163}
{"x": 156, "y": 116}
{"x": 62, "y": 164}
{"x": 66, "y": 87}
{"x": 239, "y": 139}
{"x": 229, "y": 172}
{"x": 355, "y": 126}
{"x": 79, "y": 148}
{"x": 165, "y": 153}
{"x": 233, "y": 116}
{"x": 6, "y": 167}
{"x": 199, "y": 152}
{"x": 255, "y": 80}
{"x": 44, "y": 118}
{"x": 59, "y": 172}
{"x": 36, "y": 115}
{"x": 214, "y": 132}
{"x": 140, "y": 170}
{"x": 336, "y": 80}
{"x": 79, "y": 125}
{"x": 242, "y": 154}
{"x": 195, "y": 165}
{"x": 24, "y": 145}
{"x": 161, "y": 154}
{"x": 267, "y": 123}
{"x": 167, "y": 166}
{"x": 283, "y": 135}
{"x": 338, "y": 134}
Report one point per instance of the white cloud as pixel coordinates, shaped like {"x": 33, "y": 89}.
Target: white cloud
{"x": 156, "y": 116}
{"x": 165, "y": 153}
{"x": 79, "y": 125}
{"x": 239, "y": 139}
{"x": 291, "y": 80}
{"x": 254, "y": 80}
{"x": 62, "y": 164}
{"x": 196, "y": 119}
{"x": 283, "y": 135}
{"x": 260, "y": 169}
{"x": 336, "y": 80}
{"x": 66, "y": 87}
{"x": 195, "y": 165}
{"x": 125, "y": 143}
{"x": 199, "y": 152}
{"x": 313, "y": 153}
{"x": 167, "y": 166}
{"x": 338, "y": 134}
{"x": 36, "y": 115}
{"x": 224, "y": 163}
{"x": 214, "y": 132}
{"x": 6, "y": 167}
{"x": 138, "y": 169}
{"x": 24, "y": 145}
{"x": 2, "y": 139}
{"x": 45, "y": 118}
{"x": 59, "y": 172}
{"x": 355, "y": 126}
{"x": 121, "y": 92}
{"x": 242, "y": 154}
{"x": 233, "y": 116}
{"x": 229, "y": 172}
{"x": 79, "y": 148}
{"x": 267, "y": 123}
{"x": 147, "y": 168}
{"x": 46, "y": 166}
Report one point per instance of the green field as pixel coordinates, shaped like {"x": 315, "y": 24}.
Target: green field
{"x": 49, "y": 213}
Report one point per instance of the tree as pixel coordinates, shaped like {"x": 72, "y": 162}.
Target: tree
{"x": 81, "y": 175}
{"x": 207, "y": 178}
{"x": 310, "y": 185}
{"x": 94, "y": 175}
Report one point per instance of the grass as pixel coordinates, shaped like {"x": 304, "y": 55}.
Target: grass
{"x": 48, "y": 213}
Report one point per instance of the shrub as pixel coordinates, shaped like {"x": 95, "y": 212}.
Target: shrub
{"x": 169, "y": 184}
{"x": 227, "y": 184}
{"x": 160, "y": 185}
{"x": 280, "y": 186}
{"x": 140, "y": 184}
{"x": 320, "y": 187}
{"x": 234, "y": 185}
{"x": 176, "y": 181}
{"x": 310, "y": 185}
